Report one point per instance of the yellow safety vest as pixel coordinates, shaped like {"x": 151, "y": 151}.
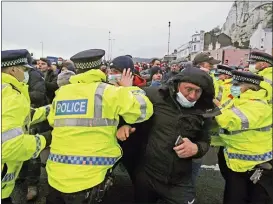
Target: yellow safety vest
{"x": 84, "y": 117}
{"x": 17, "y": 145}
{"x": 222, "y": 91}
{"x": 267, "y": 83}
{"x": 246, "y": 129}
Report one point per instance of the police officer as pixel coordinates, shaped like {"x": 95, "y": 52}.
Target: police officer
{"x": 85, "y": 116}
{"x": 261, "y": 63}
{"x": 17, "y": 144}
{"x": 246, "y": 129}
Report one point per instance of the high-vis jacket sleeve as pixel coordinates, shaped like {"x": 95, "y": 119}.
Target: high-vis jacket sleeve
{"x": 39, "y": 114}
{"x": 23, "y": 147}
{"x": 133, "y": 105}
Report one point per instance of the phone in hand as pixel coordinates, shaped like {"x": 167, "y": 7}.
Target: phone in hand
{"x": 179, "y": 141}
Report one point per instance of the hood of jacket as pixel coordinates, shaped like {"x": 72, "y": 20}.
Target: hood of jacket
{"x": 197, "y": 77}
{"x": 91, "y": 76}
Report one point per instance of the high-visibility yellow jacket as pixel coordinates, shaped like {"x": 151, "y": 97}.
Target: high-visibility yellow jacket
{"x": 17, "y": 144}
{"x": 246, "y": 129}
{"x": 84, "y": 117}
{"x": 267, "y": 83}
{"x": 222, "y": 92}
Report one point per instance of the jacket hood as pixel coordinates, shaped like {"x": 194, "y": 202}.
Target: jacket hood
{"x": 199, "y": 78}
{"x": 91, "y": 76}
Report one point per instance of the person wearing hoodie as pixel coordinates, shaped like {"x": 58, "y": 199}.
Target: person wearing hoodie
{"x": 165, "y": 145}
{"x": 156, "y": 76}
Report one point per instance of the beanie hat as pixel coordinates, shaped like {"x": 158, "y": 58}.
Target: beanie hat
{"x": 155, "y": 70}
{"x": 63, "y": 77}
{"x": 122, "y": 62}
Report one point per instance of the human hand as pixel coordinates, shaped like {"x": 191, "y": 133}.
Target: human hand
{"x": 186, "y": 149}
{"x": 126, "y": 78}
{"x": 124, "y": 132}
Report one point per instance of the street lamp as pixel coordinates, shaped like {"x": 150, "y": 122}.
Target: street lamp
{"x": 112, "y": 45}
{"x": 109, "y": 41}
{"x": 169, "y": 37}
{"x": 42, "y": 48}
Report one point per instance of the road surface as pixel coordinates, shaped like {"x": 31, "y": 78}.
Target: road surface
{"x": 209, "y": 186}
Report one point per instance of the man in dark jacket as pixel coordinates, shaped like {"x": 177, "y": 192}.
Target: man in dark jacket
{"x": 50, "y": 78}
{"x": 165, "y": 165}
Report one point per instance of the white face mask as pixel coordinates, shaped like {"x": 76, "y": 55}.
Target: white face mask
{"x": 181, "y": 99}
{"x": 26, "y": 77}
{"x": 252, "y": 68}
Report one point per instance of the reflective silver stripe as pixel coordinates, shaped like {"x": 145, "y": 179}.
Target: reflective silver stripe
{"x": 85, "y": 122}
{"x": 244, "y": 120}
{"x": 10, "y": 134}
{"x": 139, "y": 92}
{"x": 83, "y": 160}
{"x": 98, "y": 100}
{"x": 263, "y": 129}
{"x": 143, "y": 107}
{"x": 3, "y": 86}
{"x": 268, "y": 81}
{"x": 220, "y": 94}
{"x": 38, "y": 146}
{"x": 9, "y": 177}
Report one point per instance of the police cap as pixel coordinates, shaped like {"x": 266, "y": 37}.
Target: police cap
{"x": 245, "y": 77}
{"x": 11, "y": 58}
{"x": 122, "y": 62}
{"x": 261, "y": 57}
{"x": 88, "y": 59}
{"x": 223, "y": 69}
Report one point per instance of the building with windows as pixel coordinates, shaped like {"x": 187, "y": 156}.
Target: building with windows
{"x": 261, "y": 39}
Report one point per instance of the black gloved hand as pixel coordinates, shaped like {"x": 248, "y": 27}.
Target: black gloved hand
{"x": 48, "y": 137}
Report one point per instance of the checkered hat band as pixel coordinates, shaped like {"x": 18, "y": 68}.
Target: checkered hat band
{"x": 261, "y": 59}
{"x": 88, "y": 65}
{"x": 20, "y": 61}
{"x": 245, "y": 79}
{"x": 223, "y": 71}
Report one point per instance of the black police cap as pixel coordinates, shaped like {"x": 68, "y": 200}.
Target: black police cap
{"x": 18, "y": 57}
{"x": 88, "y": 59}
{"x": 261, "y": 57}
{"x": 246, "y": 77}
{"x": 223, "y": 69}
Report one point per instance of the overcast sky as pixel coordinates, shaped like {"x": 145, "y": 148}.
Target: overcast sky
{"x": 139, "y": 28}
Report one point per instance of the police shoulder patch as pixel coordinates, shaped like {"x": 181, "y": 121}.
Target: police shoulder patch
{"x": 71, "y": 107}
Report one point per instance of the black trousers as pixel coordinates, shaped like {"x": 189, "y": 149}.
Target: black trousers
{"x": 222, "y": 162}
{"x": 149, "y": 190}
{"x": 6, "y": 201}
{"x": 31, "y": 172}
{"x": 240, "y": 190}
{"x": 56, "y": 197}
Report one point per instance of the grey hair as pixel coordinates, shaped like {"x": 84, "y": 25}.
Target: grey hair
{"x": 253, "y": 87}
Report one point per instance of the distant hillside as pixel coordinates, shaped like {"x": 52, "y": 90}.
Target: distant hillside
{"x": 138, "y": 59}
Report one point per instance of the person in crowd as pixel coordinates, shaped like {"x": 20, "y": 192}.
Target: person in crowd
{"x": 18, "y": 144}
{"x": 261, "y": 63}
{"x": 156, "y": 76}
{"x": 64, "y": 77}
{"x": 68, "y": 65}
{"x": 54, "y": 67}
{"x": 78, "y": 166}
{"x": 205, "y": 62}
{"x": 31, "y": 169}
{"x": 50, "y": 78}
{"x": 117, "y": 67}
{"x": 174, "y": 70}
{"x": 226, "y": 62}
{"x": 104, "y": 68}
{"x": 246, "y": 130}
{"x": 146, "y": 73}
{"x": 161, "y": 166}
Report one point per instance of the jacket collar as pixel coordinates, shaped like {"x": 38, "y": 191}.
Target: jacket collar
{"x": 266, "y": 71}
{"x": 91, "y": 76}
{"x": 20, "y": 86}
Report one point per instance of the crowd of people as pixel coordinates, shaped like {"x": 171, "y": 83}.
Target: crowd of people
{"x": 158, "y": 120}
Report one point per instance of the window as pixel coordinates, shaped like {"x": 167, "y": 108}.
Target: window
{"x": 262, "y": 46}
{"x": 194, "y": 47}
{"x": 262, "y": 39}
{"x": 194, "y": 39}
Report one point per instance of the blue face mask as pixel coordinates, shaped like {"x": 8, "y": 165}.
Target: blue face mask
{"x": 217, "y": 78}
{"x": 235, "y": 91}
{"x": 183, "y": 101}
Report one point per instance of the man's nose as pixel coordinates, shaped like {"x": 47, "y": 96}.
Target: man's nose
{"x": 192, "y": 96}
